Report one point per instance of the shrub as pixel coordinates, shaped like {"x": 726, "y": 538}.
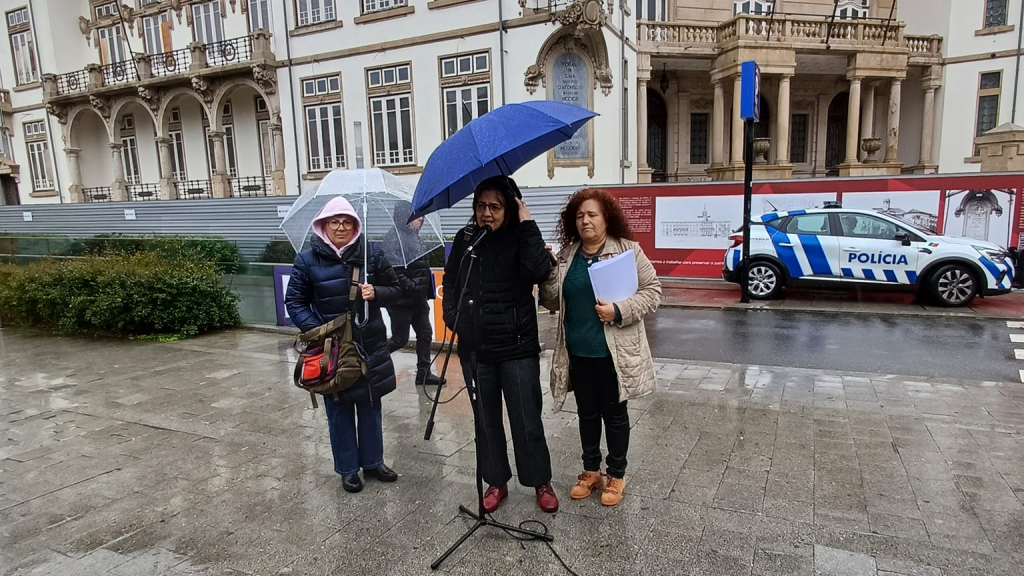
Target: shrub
{"x": 129, "y": 295}
{"x": 278, "y": 252}
{"x": 223, "y": 253}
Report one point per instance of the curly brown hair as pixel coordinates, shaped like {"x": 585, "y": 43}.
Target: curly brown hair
{"x": 618, "y": 227}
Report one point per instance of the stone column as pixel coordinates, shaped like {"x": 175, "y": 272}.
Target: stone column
{"x": 853, "y": 122}
{"x": 867, "y": 122}
{"x": 167, "y": 179}
{"x": 643, "y": 170}
{"x": 718, "y": 127}
{"x": 682, "y": 125}
{"x": 75, "y": 173}
{"x": 277, "y": 171}
{"x": 929, "y": 126}
{"x": 220, "y": 183}
{"x": 118, "y": 188}
{"x": 736, "y": 156}
{"x": 782, "y": 150}
{"x": 892, "y": 149}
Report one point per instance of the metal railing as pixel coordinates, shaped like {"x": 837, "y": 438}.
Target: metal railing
{"x": 97, "y": 194}
{"x": 173, "y": 62}
{"x": 193, "y": 189}
{"x": 229, "y": 51}
{"x": 72, "y": 82}
{"x": 143, "y": 192}
{"x": 119, "y": 73}
{"x": 251, "y": 186}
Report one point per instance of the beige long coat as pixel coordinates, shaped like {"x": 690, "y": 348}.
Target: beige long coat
{"x": 627, "y": 341}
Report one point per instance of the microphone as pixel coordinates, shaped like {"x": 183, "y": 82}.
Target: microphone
{"x": 477, "y": 237}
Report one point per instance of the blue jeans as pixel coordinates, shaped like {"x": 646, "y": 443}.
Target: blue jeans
{"x": 353, "y": 445}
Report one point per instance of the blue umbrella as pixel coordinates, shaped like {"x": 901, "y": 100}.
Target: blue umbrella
{"x": 497, "y": 143}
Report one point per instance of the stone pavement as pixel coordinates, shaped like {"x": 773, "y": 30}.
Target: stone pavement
{"x": 720, "y": 294}
{"x": 199, "y": 457}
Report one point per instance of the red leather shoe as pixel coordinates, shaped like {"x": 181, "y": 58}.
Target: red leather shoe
{"x": 493, "y": 498}
{"x": 546, "y": 498}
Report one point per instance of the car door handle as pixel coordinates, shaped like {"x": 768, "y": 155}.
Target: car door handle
{"x": 786, "y": 244}
{"x": 851, "y": 249}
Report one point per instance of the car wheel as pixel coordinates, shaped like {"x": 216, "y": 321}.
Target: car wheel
{"x": 953, "y": 285}
{"x": 764, "y": 281}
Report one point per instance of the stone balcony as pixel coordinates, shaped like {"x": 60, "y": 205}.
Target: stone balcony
{"x": 143, "y": 74}
{"x": 804, "y": 34}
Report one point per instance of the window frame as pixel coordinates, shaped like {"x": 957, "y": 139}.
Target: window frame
{"x": 18, "y": 30}
{"x": 984, "y": 93}
{"x": 216, "y": 20}
{"x": 40, "y": 163}
{"x": 477, "y": 75}
{"x": 261, "y": 15}
{"x": 661, "y": 9}
{"x": 390, "y": 5}
{"x": 130, "y": 160}
{"x": 324, "y": 7}
{"x": 104, "y": 36}
{"x": 986, "y": 23}
{"x": 475, "y": 110}
{"x": 180, "y": 172}
{"x": 336, "y": 128}
{"x": 825, "y": 215}
{"x": 707, "y": 139}
{"x": 806, "y": 137}
{"x": 764, "y": 5}
{"x": 375, "y": 129}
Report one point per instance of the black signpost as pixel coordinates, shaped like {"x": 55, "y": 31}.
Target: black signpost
{"x": 750, "y": 111}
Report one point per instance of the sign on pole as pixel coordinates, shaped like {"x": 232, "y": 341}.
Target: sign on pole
{"x": 750, "y": 112}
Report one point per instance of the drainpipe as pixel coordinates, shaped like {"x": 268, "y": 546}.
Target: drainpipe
{"x": 49, "y": 133}
{"x": 624, "y": 109}
{"x": 501, "y": 46}
{"x": 291, "y": 92}
{"x": 1016, "y": 74}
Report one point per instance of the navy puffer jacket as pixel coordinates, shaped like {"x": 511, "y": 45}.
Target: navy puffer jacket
{"x": 318, "y": 293}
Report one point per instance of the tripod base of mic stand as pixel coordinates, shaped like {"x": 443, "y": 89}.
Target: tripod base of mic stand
{"x": 482, "y": 521}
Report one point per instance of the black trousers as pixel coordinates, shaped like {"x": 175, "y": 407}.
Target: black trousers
{"x": 519, "y": 381}
{"x": 419, "y": 318}
{"x": 597, "y": 398}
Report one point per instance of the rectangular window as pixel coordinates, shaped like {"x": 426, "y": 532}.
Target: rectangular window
{"x": 178, "y": 156}
{"x": 156, "y": 34}
{"x": 175, "y": 115}
{"x": 112, "y": 45}
{"x": 464, "y": 104}
{"x": 261, "y": 105}
{"x": 653, "y": 10}
{"x": 39, "y": 162}
{"x": 259, "y": 15}
{"x": 699, "y": 138}
{"x": 370, "y": 6}
{"x": 315, "y": 11}
{"x": 465, "y": 65}
{"x": 105, "y": 10}
{"x": 798, "y": 141}
{"x": 16, "y": 18}
{"x": 389, "y": 76}
{"x": 325, "y": 137}
{"x": 392, "y": 130}
{"x": 321, "y": 86}
{"x": 989, "y": 89}
{"x": 267, "y": 147}
{"x": 995, "y": 13}
{"x": 148, "y": 2}
{"x": 206, "y": 22}
{"x": 756, "y": 7}
{"x": 130, "y": 157}
{"x": 24, "y": 51}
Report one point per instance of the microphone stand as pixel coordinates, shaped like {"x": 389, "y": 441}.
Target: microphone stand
{"x": 478, "y": 428}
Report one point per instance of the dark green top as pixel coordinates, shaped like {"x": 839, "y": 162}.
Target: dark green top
{"x": 584, "y": 331}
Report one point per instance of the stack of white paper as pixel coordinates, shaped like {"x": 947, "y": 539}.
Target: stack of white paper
{"x": 614, "y": 279}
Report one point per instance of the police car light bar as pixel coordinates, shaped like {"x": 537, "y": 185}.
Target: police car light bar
{"x": 831, "y": 204}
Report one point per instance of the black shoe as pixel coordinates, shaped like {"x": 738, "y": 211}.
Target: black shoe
{"x": 352, "y": 483}
{"x": 428, "y": 380}
{"x": 384, "y": 474}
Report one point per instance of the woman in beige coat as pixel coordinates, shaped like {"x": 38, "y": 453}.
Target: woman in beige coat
{"x": 602, "y": 353}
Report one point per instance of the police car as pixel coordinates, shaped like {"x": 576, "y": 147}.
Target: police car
{"x": 847, "y": 249}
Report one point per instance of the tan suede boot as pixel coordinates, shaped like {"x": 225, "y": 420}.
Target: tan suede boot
{"x": 588, "y": 482}
{"x": 613, "y": 491}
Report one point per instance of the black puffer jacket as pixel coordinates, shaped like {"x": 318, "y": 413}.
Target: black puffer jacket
{"x": 503, "y": 324}
{"x": 404, "y": 241}
{"x": 318, "y": 292}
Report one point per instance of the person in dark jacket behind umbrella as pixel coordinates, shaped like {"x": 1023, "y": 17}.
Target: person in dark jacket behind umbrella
{"x": 318, "y": 292}
{"x": 412, "y": 309}
{"x": 498, "y": 337}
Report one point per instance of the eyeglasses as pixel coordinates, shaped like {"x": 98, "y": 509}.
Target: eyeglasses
{"x": 494, "y": 208}
{"x": 347, "y": 224}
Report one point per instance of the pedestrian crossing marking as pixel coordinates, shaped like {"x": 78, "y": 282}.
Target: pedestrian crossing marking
{"x": 1018, "y": 354}
{"x": 1022, "y": 375}
{"x": 1016, "y": 337}
{"x": 1014, "y": 324}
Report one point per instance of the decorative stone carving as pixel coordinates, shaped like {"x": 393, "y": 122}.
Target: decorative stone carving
{"x": 582, "y": 15}
{"x": 265, "y": 76}
{"x": 152, "y": 97}
{"x": 100, "y": 105}
{"x": 701, "y": 103}
{"x": 588, "y": 42}
{"x": 176, "y": 6}
{"x": 807, "y": 104}
{"x": 234, "y": 7}
{"x": 58, "y": 111}
{"x": 83, "y": 27}
{"x": 203, "y": 88}
{"x": 870, "y": 146}
{"x": 761, "y": 148}
{"x": 128, "y": 14}
{"x": 534, "y": 77}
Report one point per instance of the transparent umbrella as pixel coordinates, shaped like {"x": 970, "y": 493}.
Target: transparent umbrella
{"x": 382, "y": 201}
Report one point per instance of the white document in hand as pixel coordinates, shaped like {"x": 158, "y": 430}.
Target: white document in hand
{"x": 614, "y": 279}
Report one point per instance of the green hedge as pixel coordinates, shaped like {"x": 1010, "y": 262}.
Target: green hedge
{"x": 145, "y": 294}
{"x": 278, "y": 252}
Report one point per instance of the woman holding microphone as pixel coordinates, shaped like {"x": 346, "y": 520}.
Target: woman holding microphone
{"x": 601, "y": 352}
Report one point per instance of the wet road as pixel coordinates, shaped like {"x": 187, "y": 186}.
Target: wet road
{"x": 913, "y": 346}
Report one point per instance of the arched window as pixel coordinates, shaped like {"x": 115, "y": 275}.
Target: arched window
{"x": 757, "y": 7}
{"x": 853, "y": 9}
